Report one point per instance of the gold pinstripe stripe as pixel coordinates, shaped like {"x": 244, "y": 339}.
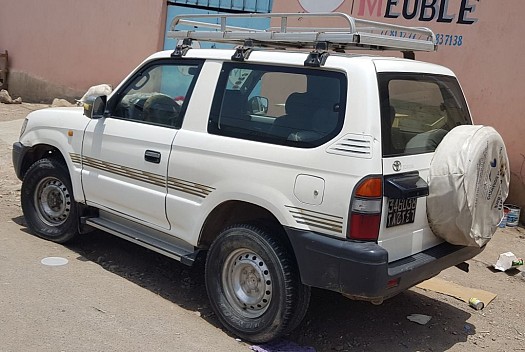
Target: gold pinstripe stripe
{"x": 125, "y": 171}
{"x": 189, "y": 187}
{"x": 316, "y": 219}
{"x": 75, "y": 158}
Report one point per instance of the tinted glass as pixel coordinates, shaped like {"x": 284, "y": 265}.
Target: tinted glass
{"x": 279, "y": 105}
{"x": 417, "y": 111}
{"x": 158, "y": 94}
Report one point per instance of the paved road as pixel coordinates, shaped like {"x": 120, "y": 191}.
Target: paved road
{"x": 115, "y": 296}
{"x": 9, "y": 132}
{"x": 89, "y": 304}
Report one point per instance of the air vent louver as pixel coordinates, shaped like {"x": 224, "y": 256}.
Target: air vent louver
{"x": 359, "y": 146}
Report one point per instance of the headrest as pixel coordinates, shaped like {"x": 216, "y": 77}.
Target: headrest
{"x": 325, "y": 121}
{"x": 296, "y": 104}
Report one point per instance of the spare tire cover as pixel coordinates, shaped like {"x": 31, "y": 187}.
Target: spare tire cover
{"x": 468, "y": 183}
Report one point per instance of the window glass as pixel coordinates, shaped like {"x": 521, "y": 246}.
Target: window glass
{"x": 288, "y": 106}
{"x": 418, "y": 110}
{"x": 158, "y": 95}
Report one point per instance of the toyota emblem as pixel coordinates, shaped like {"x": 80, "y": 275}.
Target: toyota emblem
{"x": 396, "y": 165}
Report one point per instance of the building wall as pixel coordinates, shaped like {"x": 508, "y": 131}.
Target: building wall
{"x": 175, "y": 10}
{"x": 59, "y": 48}
{"x": 481, "y": 41}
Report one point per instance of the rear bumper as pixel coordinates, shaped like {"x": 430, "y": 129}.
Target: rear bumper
{"x": 361, "y": 269}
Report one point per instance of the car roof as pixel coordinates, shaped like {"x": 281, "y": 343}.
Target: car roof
{"x": 297, "y": 58}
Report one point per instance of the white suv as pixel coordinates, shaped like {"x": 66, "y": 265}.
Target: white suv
{"x": 292, "y": 169}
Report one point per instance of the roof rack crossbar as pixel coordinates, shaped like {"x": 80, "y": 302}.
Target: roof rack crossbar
{"x": 355, "y": 34}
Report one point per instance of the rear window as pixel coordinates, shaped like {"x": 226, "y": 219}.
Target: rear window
{"x": 296, "y": 107}
{"x": 418, "y": 110}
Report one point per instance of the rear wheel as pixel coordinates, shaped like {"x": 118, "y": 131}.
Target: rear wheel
{"x": 47, "y": 201}
{"x": 253, "y": 284}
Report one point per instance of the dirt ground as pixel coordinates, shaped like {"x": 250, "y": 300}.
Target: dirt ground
{"x": 163, "y": 304}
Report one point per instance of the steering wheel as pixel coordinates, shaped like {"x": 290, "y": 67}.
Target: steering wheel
{"x": 161, "y": 109}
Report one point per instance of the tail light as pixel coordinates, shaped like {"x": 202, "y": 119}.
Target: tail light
{"x": 365, "y": 209}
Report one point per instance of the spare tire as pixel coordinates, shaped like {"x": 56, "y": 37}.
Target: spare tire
{"x": 468, "y": 183}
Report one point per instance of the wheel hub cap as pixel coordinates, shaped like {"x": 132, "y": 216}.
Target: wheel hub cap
{"x": 247, "y": 283}
{"x": 52, "y": 201}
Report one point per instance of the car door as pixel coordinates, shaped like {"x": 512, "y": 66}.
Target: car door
{"x": 418, "y": 110}
{"x": 125, "y": 155}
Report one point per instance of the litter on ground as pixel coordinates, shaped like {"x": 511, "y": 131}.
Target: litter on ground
{"x": 421, "y": 319}
{"x": 457, "y": 291}
{"x": 507, "y": 261}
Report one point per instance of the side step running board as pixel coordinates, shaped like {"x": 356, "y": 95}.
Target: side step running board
{"x": 151, "y": 239}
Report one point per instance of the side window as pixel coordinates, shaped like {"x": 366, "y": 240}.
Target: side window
{"x": 298, "y": 107}
{"x": 159, "y": 94}
{"x": 418, "y": 110}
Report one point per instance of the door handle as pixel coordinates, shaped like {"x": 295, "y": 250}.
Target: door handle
{"x": 152, "y": 156}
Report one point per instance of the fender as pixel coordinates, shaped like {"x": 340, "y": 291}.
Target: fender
{"x": 196, "y": 210}
{"x": 63, "y": 129}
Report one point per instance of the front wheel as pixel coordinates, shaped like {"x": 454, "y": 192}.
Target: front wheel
{"x": 47, "y": 201}
{"x": 253, "y": 284}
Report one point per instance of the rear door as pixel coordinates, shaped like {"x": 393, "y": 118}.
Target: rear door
{"x": 417, "y": 111}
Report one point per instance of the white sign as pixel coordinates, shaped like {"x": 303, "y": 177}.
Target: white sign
{"x": 320, "y": 6}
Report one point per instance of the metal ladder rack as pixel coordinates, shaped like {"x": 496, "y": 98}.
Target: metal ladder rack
{"x": 355, "y": 34}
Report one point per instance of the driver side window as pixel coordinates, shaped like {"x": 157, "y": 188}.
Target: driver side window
{"x": 158, "y": 94}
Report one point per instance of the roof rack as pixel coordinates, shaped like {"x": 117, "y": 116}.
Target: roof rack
{"x": 355, "y": 34}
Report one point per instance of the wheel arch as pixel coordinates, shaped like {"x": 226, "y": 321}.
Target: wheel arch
{"x": 45, "y": 150}
{"x": 235, "y": 212}
{"x": 38, "y": 152}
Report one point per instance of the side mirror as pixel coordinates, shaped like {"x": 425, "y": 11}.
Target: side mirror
{"x": 258, "y": 105}
{"x": 95, "y": 107}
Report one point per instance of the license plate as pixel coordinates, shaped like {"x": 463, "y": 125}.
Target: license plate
{"x": 401, "y": 211}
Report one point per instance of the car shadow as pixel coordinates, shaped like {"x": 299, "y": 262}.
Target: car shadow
{"x": 20, "y": 221}
{"x": 332, "y": 322}
{"x": 510, "y": 272}
{"x": 170, "y": 279}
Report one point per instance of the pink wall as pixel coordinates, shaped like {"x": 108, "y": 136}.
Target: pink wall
{"x": 75, "y": 44}
{"x": 489, "y": 62}
{"x": 59, "y": 48}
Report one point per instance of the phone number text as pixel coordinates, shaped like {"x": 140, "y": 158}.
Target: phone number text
{"x": 449, "y": 39}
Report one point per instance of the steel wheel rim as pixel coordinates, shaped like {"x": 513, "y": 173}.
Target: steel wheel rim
{"x": 247, "y": 283}
{"x": 52, "y": 201}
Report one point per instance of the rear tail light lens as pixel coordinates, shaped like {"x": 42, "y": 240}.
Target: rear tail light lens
{"x": 371, "y": 187}
{"x": 365, "y": 209}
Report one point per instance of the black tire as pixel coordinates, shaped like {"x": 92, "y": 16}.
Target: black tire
{"x": 301, "y": 307}
{"x": 253, "y": 284}
{"x": 47, "y": 201}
